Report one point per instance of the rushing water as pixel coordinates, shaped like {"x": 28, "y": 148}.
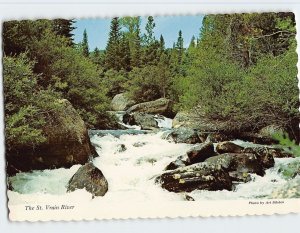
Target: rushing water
{"x": 130, "y": 173}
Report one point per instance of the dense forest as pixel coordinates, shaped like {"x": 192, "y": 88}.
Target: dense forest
{"x": 240, "y": 69}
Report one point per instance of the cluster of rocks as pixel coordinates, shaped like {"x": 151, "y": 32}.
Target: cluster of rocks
{"x": 142, "y": 114}
{"x": 209, "y": 168}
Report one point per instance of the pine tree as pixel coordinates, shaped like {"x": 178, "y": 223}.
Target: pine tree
{"x": 64, "y": 27}
{"x": 162, "y": 44}
{"x": 96, "y": 57}
{"x": 112, "y": 58}
{"x": 193, "y": 42}
{"x": 148, "y": 37}
{"x": 85, "y": 45}
{"x": 124, "y": 53}
{"x": 179, "y": 47}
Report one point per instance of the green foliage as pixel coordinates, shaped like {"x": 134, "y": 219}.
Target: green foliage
{"x": 288, "y": 144}
{"x": 26, "y": 105}
{"x": 115, "y": 81}
{"x": 242, "y": 71}
{"x": 143, "y": 85}
{"x": 112, "y": 56}
{"x": 85, "y": 45}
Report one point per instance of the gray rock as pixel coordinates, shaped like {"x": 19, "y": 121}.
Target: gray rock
{"x": 121, "y": 102}
{"x": 90, "y": 178}
{"x": 160, "y": 106}
{"x": 145, "y": 120}
{"x": 200, "y": 152}
{"x": 183, "y": 135}
{"x": 202, "y": 176}
{"x": 239, "y": 162}
{"x": 67, "y": 143}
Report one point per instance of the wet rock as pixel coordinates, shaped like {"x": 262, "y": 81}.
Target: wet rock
{"x": 90, "y": 178}
{"x": 202, "y": 176}
{"x": 188, "y": 198}
{"x": 121, "y": 102}
{"x": 146, "y": 121}
{"x": 240, "y": 176}
{"x": 228, "y": 147}
{"x": 183, "y": 135}
{"x": 264, "y": 154}
{"x": 201, "y": 152}
{"x": 239, "y": 162}
{"x": 289, "y": 190}
{"x": 290, "y": 170}
{"x": 181, "y": 161}
{"x": 139, "y": 144}
{"x": 160, "y": 106}
{"x": 121, "y": 148}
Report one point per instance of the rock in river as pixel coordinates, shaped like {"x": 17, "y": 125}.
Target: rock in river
{"x": 160, "y": 106}
{"x": 67, "y": 143}
{"x": 183, "y": 135}
{"x": 202, "y": 176}
{"x": 90, "y": 178}
{"x": 121, "y": 102}
{"x": 200, "y": 152}
{"x": 239, "y": 162}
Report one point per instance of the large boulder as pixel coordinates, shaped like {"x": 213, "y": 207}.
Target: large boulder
{"x": 203, "y": 176}
{"x": 182, "y": 135}
{"x": 67, "y": 143}
{"x": 121, "y": 102}
{"x": 243, "y": 163}
{"x": 196, "y": 119}
{"x": 160, "y": 106}
{"x": 145, "y": 120}
{"x": 200, "y": 152}
{"x": 90, "y": 178}
{"x": 289, "y": 190}
{"x": 263, "y": 153}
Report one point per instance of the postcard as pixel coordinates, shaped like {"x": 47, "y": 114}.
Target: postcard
{"x": 151, "y": 116}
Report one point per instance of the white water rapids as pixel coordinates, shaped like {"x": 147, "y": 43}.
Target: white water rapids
{"x": 130, "y": 174}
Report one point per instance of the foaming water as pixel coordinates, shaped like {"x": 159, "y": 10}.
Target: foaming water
{"x": 130, "y": 163}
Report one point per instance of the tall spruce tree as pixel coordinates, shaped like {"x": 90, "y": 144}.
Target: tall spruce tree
{"x": 193, "y": 42}
{"x": 112, "y": 57}
{"x": 161, "y": 44}
{"x": 149, "y": 37}
{"x": 179, "y": 47}
{"x": 85, "y": 45}
{"x": 124, "y": 53}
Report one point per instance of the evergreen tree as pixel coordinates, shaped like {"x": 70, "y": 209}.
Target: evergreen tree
{"x": 162, "y": 44}
{"x": 96, "y": 57}
{"x": 179, "y": 47}
{"x": 124, "y": 53}
{"x": 85, "y": 45}
{"x": 193, "y": 42}
{"x": 112, "y": 58}
{"x": 64, "y": 27}
{"x": 148, "y": 37}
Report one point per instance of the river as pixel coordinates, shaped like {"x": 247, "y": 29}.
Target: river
{"x": 130, "y": 162}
